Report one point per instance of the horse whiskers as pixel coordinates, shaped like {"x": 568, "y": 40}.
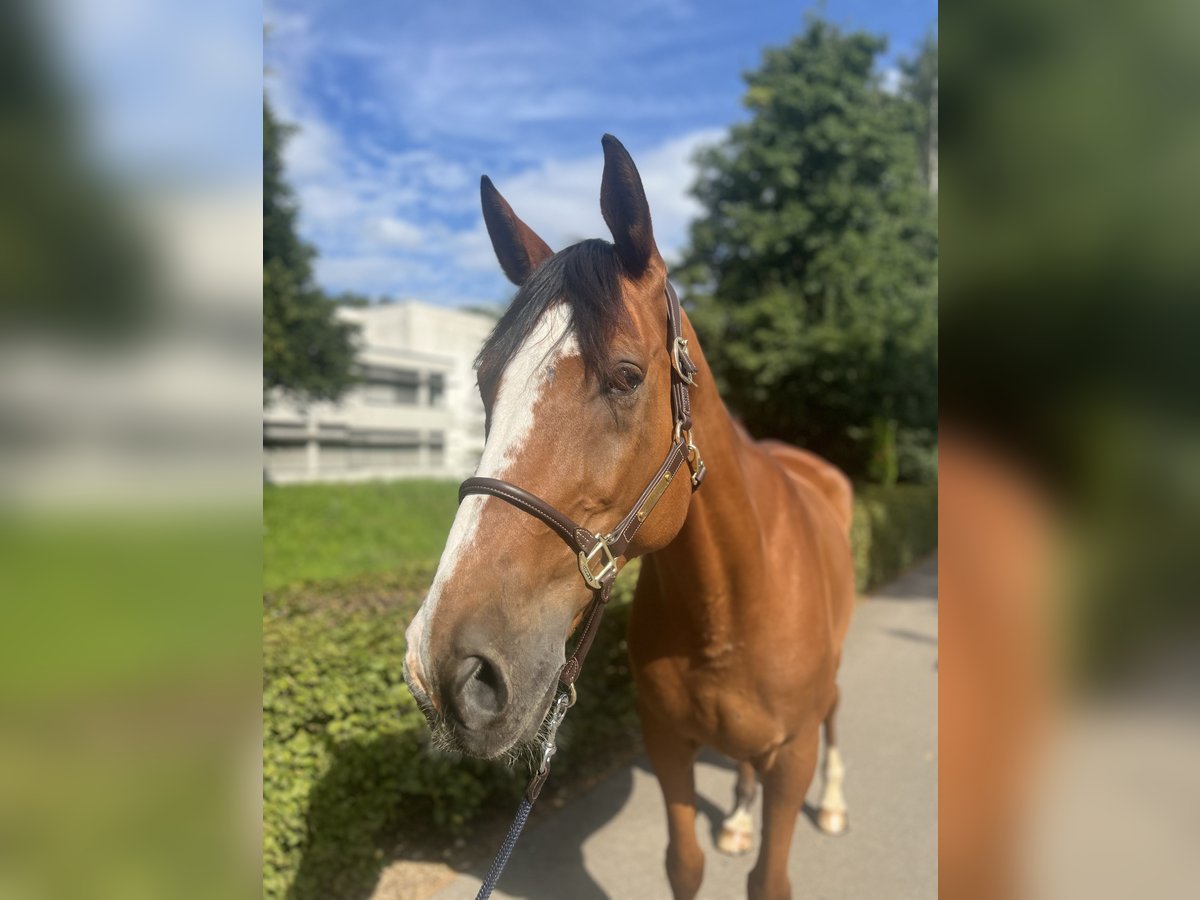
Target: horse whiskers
{"x": 442, "y": 735}
{"x": 527, "y": 751}
{"x": 443, "y": 738}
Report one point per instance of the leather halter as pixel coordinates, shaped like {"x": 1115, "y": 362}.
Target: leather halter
{"x": 602, "y": 548}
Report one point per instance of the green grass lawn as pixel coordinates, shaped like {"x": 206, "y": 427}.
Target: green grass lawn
{"x": 337, "y": 534}
{"x": 329, "y": 533}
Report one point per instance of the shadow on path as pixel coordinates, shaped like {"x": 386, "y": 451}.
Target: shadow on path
{"x": 551, "y": 858}
{"x": 351, "y": 825}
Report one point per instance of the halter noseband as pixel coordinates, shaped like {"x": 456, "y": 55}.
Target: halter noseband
{"x": 595, "y": 548}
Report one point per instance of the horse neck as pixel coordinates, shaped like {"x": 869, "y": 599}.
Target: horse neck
{"x": 719, "y": 544}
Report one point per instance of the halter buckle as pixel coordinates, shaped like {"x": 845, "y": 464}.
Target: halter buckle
{"x": 595, "y": 580}
{"x": 695, "y": 462}
{"x": 679, "y": 354}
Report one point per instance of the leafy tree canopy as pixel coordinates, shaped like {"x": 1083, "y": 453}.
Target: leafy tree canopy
{"x": 308, "y": 352}
{"x": 813, "y": 272}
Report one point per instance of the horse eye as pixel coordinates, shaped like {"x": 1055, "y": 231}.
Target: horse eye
{"x": 625, "y": 379}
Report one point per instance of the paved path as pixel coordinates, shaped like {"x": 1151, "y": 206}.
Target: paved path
{"x": 610, "y": 842}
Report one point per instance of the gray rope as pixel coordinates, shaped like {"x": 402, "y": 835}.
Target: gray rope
{"x": 506, "y": 849}
{"x": 558, "y": 711}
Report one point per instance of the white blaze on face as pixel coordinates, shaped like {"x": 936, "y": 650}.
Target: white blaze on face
{"x": 524, "y": 379}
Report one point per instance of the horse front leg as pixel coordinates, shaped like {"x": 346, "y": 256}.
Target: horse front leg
{"x": 673, "y": 759}
{"x": 737, "y": 831}
{"x": 786, "y": 777}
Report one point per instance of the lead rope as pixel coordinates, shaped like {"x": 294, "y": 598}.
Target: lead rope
{"x": 558, "y": 712}
{"x": 506, "y": 849}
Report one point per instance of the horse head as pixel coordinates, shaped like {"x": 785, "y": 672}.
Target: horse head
{"x": 576, "y": 384}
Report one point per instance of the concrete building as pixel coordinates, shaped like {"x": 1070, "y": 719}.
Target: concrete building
{"x": 416, "y": 413}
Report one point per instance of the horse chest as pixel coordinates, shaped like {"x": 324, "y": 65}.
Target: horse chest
{"x": 712, "y": 704}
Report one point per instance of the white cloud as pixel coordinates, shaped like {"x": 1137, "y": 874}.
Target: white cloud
{"x": 382, "y": 220}
{"x": 668, "y": 173}
{"x": 328, "y": 206}
{"x": 460, "y": 82}
{"x": 395, "y": 232}
{"x": 386, "y": 176}
{"x": 473, "y": 250}
{"x": 312, "y": 150}
{"x": 374, "y": 273}
{"x": 285, "y": 24}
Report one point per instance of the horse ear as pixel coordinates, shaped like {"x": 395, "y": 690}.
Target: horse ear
{"x": 623, "y": 203}
{"x": 518, "y": 248}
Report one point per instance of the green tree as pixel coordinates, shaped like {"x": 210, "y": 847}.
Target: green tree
{"x": 813, "y": 273}
{"x": 307, "y": 351}
{"x": 73, "y": 261}
{"x": 920, "y": 86}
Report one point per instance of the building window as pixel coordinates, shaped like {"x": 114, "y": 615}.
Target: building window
{"x": 437, "y": 449}
{"x": 390, "y": 387}
{"x": 285, "y": 458}
{"x": 437, "y": 389}
{"x": 385, "y": 456}
{"x": 285, "y": 447}
{"x": 392, "y": 449}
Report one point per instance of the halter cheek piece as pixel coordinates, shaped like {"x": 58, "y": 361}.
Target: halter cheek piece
{"x": 598, "y": 552}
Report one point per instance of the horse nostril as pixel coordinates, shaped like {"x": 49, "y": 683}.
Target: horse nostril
{"x": 480, "y": 692}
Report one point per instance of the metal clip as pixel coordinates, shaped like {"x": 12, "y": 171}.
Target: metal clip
{"x": 558, "y": 712}
{"x": 679, "y": 353}
{"x": 595, "y": 580}
{"x": 695, "y": 462}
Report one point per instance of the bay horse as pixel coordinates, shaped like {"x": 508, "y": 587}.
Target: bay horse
{"x": 746, "y": 585}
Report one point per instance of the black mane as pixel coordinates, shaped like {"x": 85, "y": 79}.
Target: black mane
{"x": 585, "y": 276}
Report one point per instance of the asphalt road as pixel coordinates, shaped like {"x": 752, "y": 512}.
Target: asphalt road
{"x": 610, "y": 842}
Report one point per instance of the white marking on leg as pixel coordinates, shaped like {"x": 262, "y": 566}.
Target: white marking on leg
{"x": 832, "y": 816}
{"x": 521, "y": 386}
{"x": 737, "y": 831}
{"x": 835, "y": 775}
{"x": 740, "y": 819}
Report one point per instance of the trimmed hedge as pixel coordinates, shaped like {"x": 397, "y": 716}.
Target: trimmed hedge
{"x": 892, "y": 529}
{"x": 346, "y": 766}
{"x": 342, "y": 759}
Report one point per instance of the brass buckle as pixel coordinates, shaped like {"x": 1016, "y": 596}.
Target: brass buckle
{"x": 695, "y": 461}
{"x": 680, "y": 348}
{"x": 596, "y": 580}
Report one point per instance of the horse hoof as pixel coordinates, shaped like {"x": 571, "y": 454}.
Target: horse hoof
{"x": 833, "y": 821}
{"x": 733, "y": 841}
{"x": 737, "y": 833}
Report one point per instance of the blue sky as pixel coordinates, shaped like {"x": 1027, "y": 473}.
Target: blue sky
{"x": 401, "y": 106}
